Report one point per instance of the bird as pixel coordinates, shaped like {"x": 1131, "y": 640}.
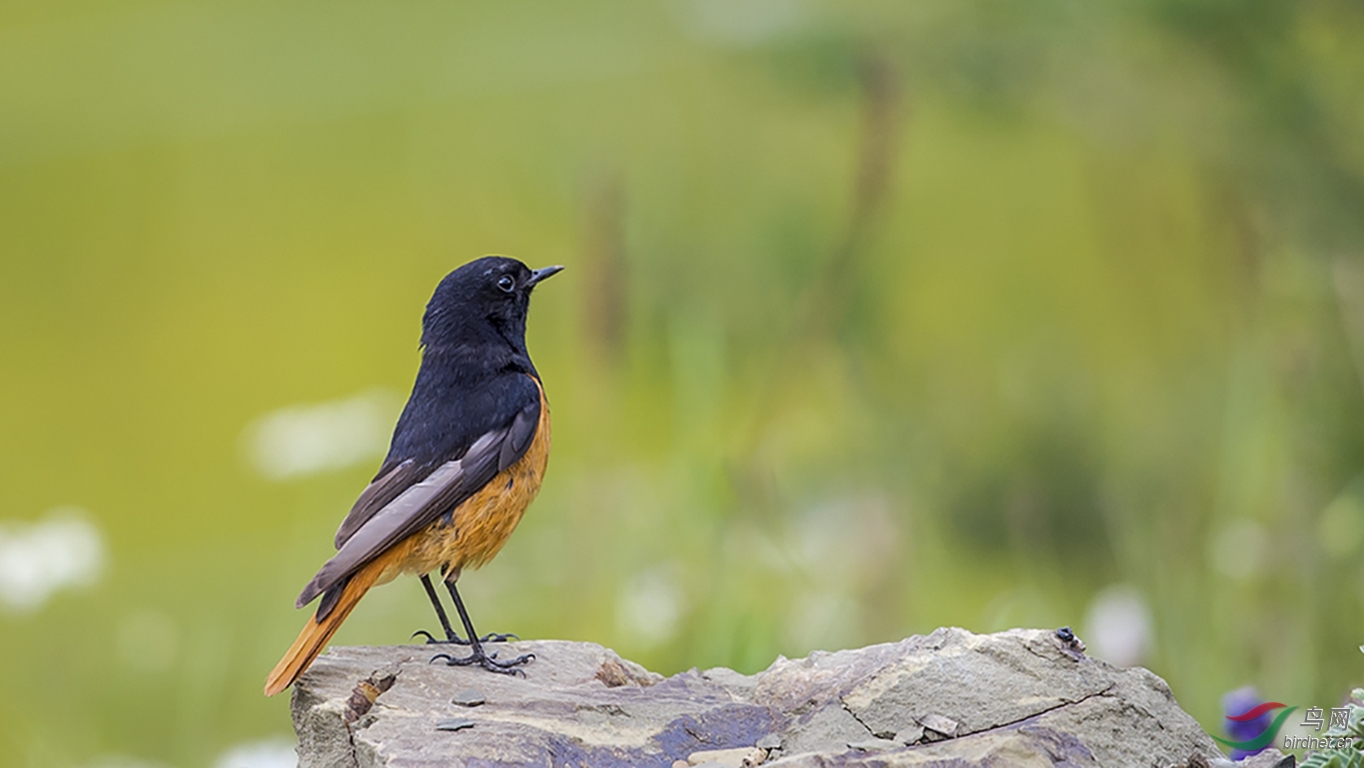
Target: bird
{"x": 467, "y": 457}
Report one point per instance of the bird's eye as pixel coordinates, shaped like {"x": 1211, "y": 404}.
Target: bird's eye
{"x": 506, "y": 283}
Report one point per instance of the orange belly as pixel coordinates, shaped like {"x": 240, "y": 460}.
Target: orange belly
{"x": 480, "y": 526}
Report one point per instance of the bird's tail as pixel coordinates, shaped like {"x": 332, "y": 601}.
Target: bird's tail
{"x": 316, "y": 633}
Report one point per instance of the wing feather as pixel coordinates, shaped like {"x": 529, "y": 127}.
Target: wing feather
{"x": 375, "y": 497}
{"x": 371, "y": 530}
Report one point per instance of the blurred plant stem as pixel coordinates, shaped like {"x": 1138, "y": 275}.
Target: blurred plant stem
{"x": 1347, "y": 277}
{"x": 822, "y": 306}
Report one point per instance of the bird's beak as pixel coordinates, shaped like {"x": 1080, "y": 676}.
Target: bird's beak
{"x": 542, "y": 274}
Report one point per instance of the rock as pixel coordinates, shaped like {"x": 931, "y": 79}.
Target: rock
{"x": 910, "y": 735}
{"x": 469, "y": 697}
{"x": 873, "y": 745}
{"x": 1022, "y": 697}
{"x": 1270, "y": 758}
{"x": 732, "y": 758}
{"x": 770, "y": 741}
{"x": 945, "y": 726}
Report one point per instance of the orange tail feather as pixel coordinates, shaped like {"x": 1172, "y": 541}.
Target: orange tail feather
{"x": 315, "y": 634}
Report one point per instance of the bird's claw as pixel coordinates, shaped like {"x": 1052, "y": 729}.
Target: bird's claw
{"x": 488, "y": 662}
{"x": 429, "y": 637}
{"x": 457, "y": 640}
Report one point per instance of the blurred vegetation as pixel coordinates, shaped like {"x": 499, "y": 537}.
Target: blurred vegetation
{"x": 878, "y": 317}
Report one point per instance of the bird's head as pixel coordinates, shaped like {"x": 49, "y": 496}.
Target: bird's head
{"x": 483, "y": 301}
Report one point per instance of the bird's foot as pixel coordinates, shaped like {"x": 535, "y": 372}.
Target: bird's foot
{"x": 454, "y": 639}
{"x": 487, "y": 661}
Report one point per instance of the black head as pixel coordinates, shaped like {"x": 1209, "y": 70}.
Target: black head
{"x": 484, "y": 301}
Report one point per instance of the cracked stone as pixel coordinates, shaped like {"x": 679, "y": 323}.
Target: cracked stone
{"x": 1015, "y": 698}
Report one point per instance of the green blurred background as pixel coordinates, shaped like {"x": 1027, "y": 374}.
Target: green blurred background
{"x": 878, "y": 317}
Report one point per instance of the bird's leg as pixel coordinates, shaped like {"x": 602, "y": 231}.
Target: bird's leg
{"x": 450, "y": 635}
{"x": 478, "y": 656}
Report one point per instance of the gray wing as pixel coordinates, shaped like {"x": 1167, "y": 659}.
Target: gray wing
{"x": 371, "y": 532}
{"x": 376, "y": 496}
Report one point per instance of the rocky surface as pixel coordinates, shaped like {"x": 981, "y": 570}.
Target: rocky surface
{"x": 952, "y": 698}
